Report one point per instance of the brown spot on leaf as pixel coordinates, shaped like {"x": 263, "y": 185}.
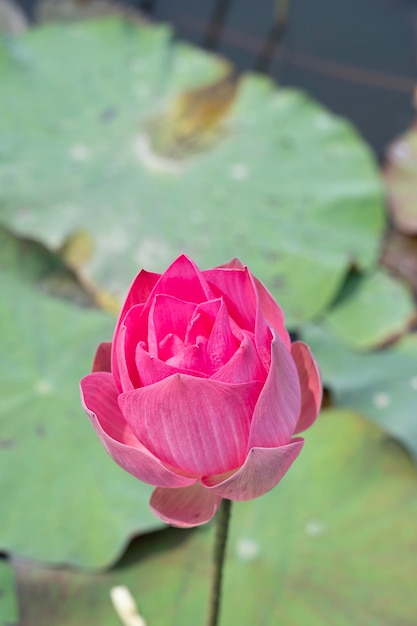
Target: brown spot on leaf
{"x": 108, "y": 114}
{"x": 6, "y": 443}
{"x": 40, "y": 430}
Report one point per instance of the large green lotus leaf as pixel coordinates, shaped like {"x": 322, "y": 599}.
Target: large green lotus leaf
{"x": 63, "y": 499}
{"x": 9, "y": 614}
{"x": 282, "y": 183}
{"x": 334, "y": 543}
{"x": 370, "y": 310}
{"x": 380, "y": 384}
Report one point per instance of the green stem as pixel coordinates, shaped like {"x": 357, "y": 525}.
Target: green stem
{"x": 266, "y": 55}
{"x": 222, "y": 519}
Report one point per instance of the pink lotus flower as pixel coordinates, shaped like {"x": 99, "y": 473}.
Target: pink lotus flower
{"x": 201, "y": 390}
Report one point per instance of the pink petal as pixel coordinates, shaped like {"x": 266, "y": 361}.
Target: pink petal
{"x": 222, "y": 343}
{"x": 99, "y": 398}
{"x": 102, "y": 359}
{"x": 186, "y": 507}
{"x": 310, "y": 382}
{"x": 210, "y": 330}
{"x": 271, "y": 311}
{"x": 170, "y": 346}
{"x": 131, "y": 331}
{"x": 234, "y": 263}
{"x": 183, "y": 280}
{"x": 235, "y": 285}
{"x": 119, "y": 366}
{"x": 138, "y": 294}
{"x": 278, "y": 408}
{"x": 199, "y": 426}
{"x": 152, "y": 370}
{"x": 202, "y": 321}
{"x": 192, "y": 359}
{"x": 168, "y": 315}
{"x": 248, "y": 302}
{"x": 267, "y": 314}
{"x": 262, "y": 470}
{"x": 244, "y": 365}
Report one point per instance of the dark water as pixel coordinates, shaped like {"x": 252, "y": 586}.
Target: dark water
{"x": 358, "y": 57}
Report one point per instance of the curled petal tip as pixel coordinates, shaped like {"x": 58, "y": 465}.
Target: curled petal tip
{"x": 310, "y": 383}
{"x": 262, "y": 470}
{"x": 186, "y": 507}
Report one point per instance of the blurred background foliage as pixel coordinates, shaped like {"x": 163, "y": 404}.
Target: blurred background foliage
{"x": 121, "y": 146}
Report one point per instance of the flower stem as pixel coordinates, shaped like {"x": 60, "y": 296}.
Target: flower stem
{"x": 223, "y": 517}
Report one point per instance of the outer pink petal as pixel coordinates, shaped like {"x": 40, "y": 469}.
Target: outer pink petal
{"x": 119, "y": 366}
{"x": 186, "y": 507}
{"x": 102, "y": 359}
{"x": 278, "y": 408}
{"x": 138, "y": 294}
{"x": 269, "y": 322}
{"x": 139, "y": 291}
{"x": 132, "y": 330}
{"x": 271, "y": 311}
{"x": 99, "y": 398}
{"x": 199, "y": 426}
{"x": 262, "y": 470}
{"x": 311, "y": 386}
